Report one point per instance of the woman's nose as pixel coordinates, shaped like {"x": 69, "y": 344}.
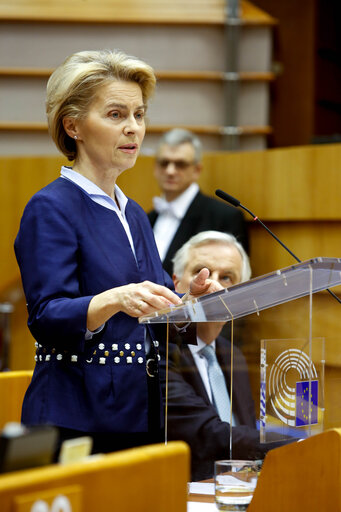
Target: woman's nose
{"x": 130, "y": 125}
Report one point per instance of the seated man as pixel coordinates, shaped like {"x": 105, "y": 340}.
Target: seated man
{"x": 193, "y": 403}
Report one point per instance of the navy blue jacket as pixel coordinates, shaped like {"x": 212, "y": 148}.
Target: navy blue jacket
{"x": 69, "y": 249}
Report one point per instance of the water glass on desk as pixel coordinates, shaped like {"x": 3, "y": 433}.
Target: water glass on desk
{"x": 235, "y": 481}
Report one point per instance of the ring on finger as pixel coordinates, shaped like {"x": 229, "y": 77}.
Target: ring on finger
{"x": 140, "y": 305}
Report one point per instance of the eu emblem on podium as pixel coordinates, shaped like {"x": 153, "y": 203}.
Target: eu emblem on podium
{"x": 302, "y": 403}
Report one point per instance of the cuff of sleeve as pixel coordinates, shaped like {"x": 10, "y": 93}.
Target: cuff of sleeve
{"x": 90, "y": 334}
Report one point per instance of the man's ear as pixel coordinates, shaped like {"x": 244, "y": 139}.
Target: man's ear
{"x": 175, "y": 281}
{"x": 178, "y": 285}
{"x": 70, "y": 127}
{"x": 198, "y": 169}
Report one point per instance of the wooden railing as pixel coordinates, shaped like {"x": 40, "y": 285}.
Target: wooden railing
{"x": 188, "y": 12}
{"x": 161, "y": 75}
{"x": 193, "y": 76}
{"x": 22, "y": 126}
{"x": 186, "y": 15}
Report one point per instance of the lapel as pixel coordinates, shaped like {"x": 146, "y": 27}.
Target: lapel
{"x": 223, "y": 353}
{"x": 111, "y": 249}
{"x": 190, "y": 371}
{"x": 147, "y": 256}
{"x": 187, "y": 226}
{"x": 152, "y": 216}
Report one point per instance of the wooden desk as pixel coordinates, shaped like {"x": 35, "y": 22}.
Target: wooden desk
{"x": 297, "y": 476}
{"x": 201, "y": 498}
{"x": 148, "y": 479}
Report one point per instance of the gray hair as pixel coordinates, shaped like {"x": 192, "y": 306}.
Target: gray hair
{"x": 181, "y": 257}
{"x": 179, "y": 136}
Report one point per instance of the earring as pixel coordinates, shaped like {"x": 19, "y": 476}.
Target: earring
{"x": 75, "y": 137}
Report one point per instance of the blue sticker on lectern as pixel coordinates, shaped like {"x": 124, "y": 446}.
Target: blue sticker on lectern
{"x": 302, "y": 403}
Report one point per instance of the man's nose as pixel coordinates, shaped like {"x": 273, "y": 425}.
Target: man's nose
{"x": 171, "y": 168}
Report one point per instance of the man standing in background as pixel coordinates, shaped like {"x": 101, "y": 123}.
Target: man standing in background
{"x": 182, "y": 210}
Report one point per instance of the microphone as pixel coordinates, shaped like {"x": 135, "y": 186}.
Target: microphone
{"x": 235, "y": 202}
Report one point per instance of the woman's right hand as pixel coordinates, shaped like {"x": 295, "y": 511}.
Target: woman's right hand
{"x": 136, "y": 299}
{"x": 144, "y": 298}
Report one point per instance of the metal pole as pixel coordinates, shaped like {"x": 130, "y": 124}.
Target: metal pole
{"x": 231, "y": 83}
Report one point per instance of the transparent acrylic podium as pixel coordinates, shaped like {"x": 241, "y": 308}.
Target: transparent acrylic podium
{"x": 291, "y": 388}
{"x": 292, "y": 371}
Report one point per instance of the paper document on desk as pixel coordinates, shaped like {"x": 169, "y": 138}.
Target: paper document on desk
{"x": 201, "y": 488}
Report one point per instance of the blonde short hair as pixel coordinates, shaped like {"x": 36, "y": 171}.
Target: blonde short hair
{"x": 73, "y": 85}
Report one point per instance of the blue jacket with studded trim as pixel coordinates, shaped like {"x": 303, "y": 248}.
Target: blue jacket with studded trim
{"x": 69, "y": 249}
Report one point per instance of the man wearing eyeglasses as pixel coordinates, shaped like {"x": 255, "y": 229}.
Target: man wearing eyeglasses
{"x": 182, "y": 210}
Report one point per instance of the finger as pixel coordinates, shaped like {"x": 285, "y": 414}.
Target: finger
{"x": 138, "y": 299}
{"x": 200, "y": 282}
{"x": 157, "y": 290}
{"x": 140, "y": 306}
{"x": 201, "y": 277}
{"x": 152, "y": 302}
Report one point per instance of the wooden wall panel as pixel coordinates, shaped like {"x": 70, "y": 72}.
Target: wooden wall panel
{"x": 294, "y": 190}
{"x": 281, "y": 184}
{"x": 291, "y": 184}
{"x": 305, "y": 239}
{"x": 13, "y": 386}
{"x": 20, "y": 178}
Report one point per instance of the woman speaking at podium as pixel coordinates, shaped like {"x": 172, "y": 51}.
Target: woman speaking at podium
{"x": 90, "y": 266}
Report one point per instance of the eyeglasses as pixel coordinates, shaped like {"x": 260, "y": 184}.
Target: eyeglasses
{"x": 179, "y": 164}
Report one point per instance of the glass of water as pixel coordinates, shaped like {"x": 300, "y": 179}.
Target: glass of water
{"x": 235, "y": 481}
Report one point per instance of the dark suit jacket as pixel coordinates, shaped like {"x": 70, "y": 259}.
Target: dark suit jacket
{"x": 69, "y": 249}
{"x": 205, "y": 213}
{"x": 193, "y": 419}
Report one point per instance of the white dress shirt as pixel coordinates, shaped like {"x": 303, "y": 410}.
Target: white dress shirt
{"x": 170, "y": 215}
{"x": 100, "y": 197}
{"x": 201, "y": 363}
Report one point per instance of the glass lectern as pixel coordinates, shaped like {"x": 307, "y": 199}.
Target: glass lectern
{"x": 291, "y": 370}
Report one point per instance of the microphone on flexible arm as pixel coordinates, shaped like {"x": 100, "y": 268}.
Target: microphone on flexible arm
{"x": 235, "y": 202}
